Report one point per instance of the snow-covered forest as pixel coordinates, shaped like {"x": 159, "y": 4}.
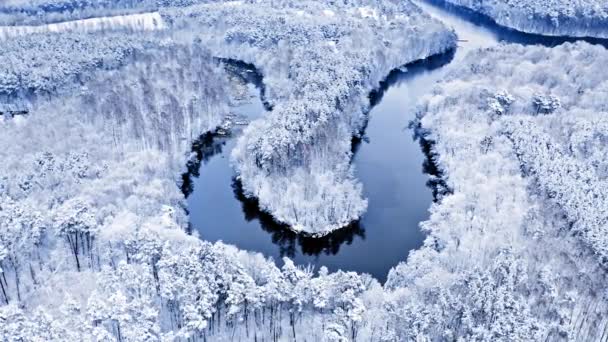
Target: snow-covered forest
{"x": 97, "y": 127}
{"x": 520, "y": 230}
{"x": 572, "y": 18}
{"x": 144, "y": 21}
{"x": 38, "y": 63}
{"x": 39, "y": 12}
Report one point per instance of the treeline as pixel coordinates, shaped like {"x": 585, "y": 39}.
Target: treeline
{"x": 586, "y": 18}
{"x": 92, "y": 221}
{"x": 92, "y": 226}
{"x": 512, "y": 252}
{"x": 42, "y": 63}
{"x": 39, "y": 12}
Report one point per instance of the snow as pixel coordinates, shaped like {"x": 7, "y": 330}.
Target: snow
{"x": 522, "y": 204}
{"x": 296, "y": 159}
{"x": 325, "y": 194}
{"x": 328, "y": 13}
{"x": 572, "y": 18}
{"x": 367, "y": 12}
{"x": 135, "y": 22}
{"x": 93, "y": 241}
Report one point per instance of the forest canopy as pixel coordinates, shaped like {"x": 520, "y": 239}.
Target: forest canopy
{"x": 94, "y": 241}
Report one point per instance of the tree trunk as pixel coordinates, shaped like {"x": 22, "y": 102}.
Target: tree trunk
{"x": 246, "y": 321}
{"x": 33, "y": 275}
{"x": 118, "y": 331}
{"x": 74, "y": 246}
{"x": 293, "y": 324}
{"x": 3, "y": 290}
{"x": 17, "y": 279}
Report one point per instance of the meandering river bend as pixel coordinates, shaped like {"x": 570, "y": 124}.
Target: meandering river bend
{"x": 390, "y": 163}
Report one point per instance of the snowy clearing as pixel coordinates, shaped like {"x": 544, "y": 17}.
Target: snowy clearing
{"x": 135, "y": 22}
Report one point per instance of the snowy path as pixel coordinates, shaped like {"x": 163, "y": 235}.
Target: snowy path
{"x": 140, "y": 22}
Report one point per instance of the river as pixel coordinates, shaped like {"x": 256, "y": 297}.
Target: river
{"x": 389, "y": 162}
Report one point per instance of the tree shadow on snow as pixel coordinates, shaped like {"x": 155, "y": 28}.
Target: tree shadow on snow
{"x": 203, "y": 148}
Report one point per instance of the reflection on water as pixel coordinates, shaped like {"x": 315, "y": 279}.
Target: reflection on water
{"x": 288, "y": 241}
{"x": 205, "y": 147}
{"x": 436, "y": 181}
{"x": 393, "y": 159}
{"x": 408, "y": 73}
{"x": 394, "y": 182}
{"x": 397, "y": 77}
{"x": 444, "y": 10}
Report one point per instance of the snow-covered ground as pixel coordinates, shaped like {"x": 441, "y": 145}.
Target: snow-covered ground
{"x": 302, "y": 148}
{"x": 519, "y": 132}
{"x": 41, "y": 63}
{"x": 93, "y": 241}
{"x": 89, "y": 195}
{"x": 320, "y": 62}
{"x": 570, "y": 18}
{"x": 134, "y": 22}
{"x": 40, "y": 12}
